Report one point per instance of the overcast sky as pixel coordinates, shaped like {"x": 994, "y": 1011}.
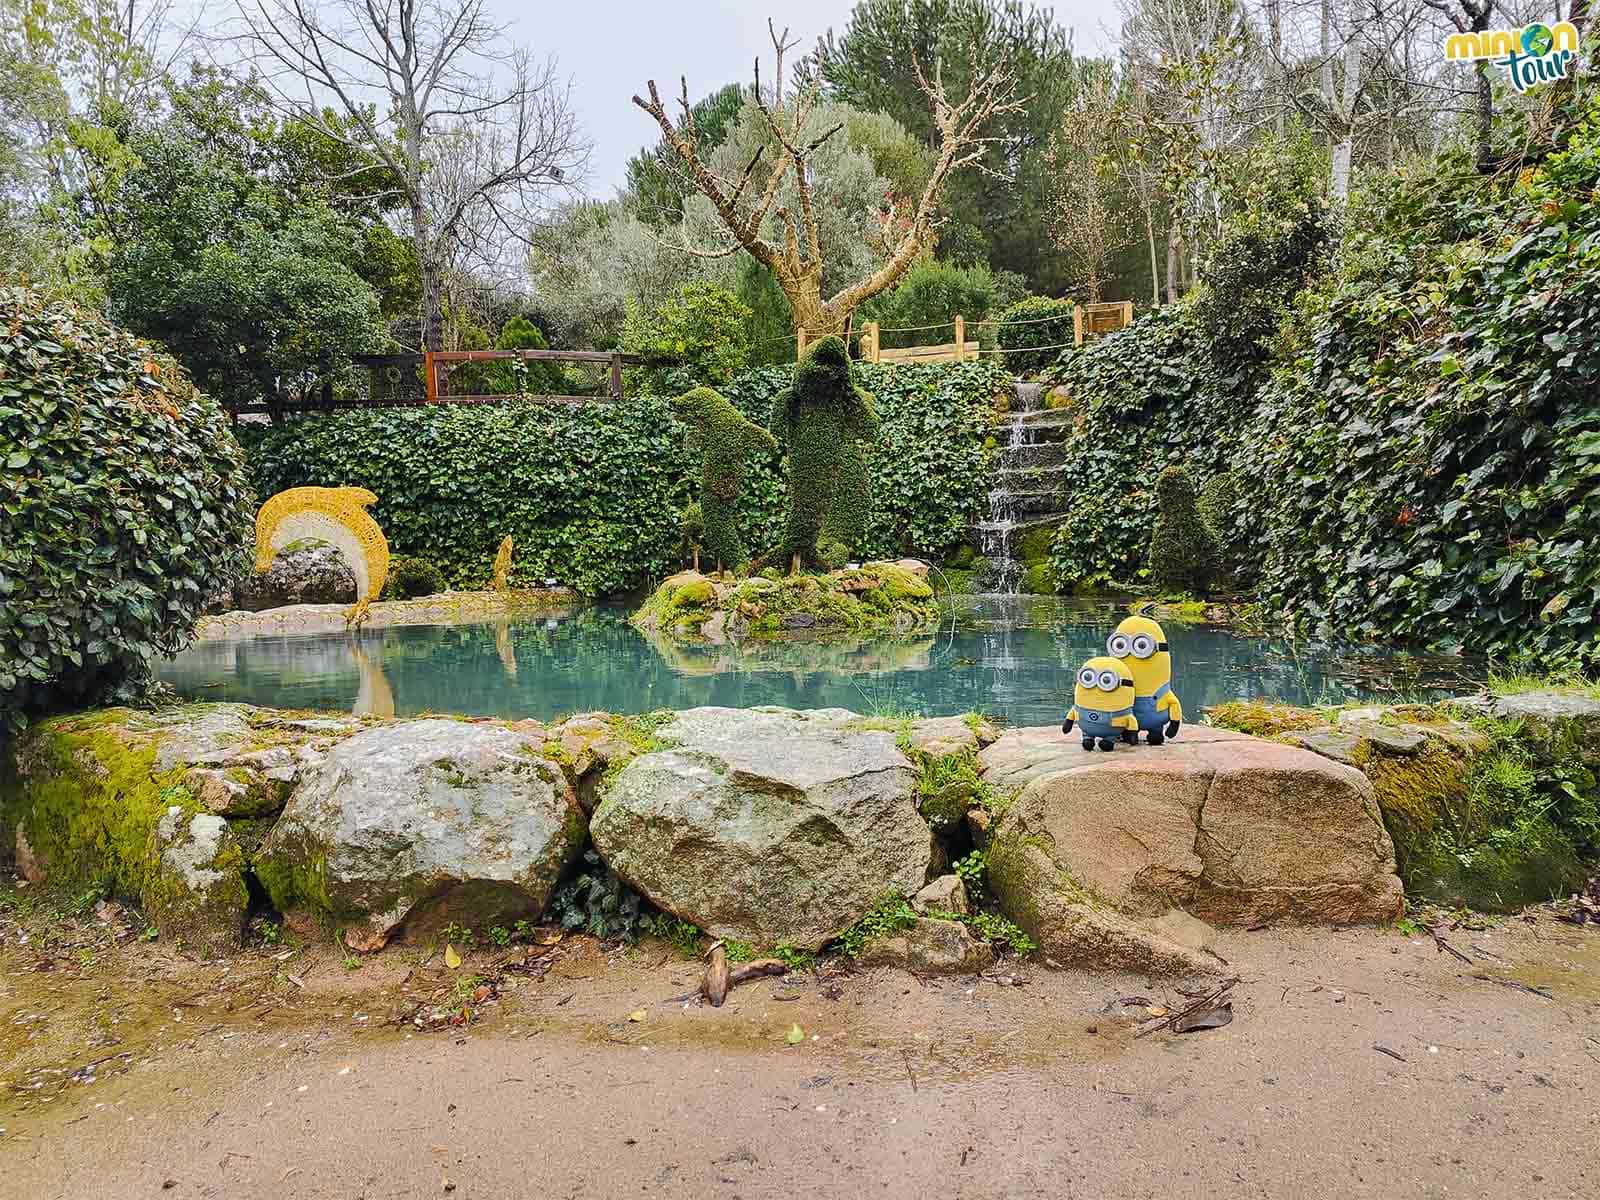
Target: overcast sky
{"x": 610, "y": 47}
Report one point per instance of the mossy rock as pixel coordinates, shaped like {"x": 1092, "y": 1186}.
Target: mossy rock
{"x": 880, "y": 596}
{"x": 1038, "y": 580}
{"x": 1466, "y": 804}
{"x": 1033, "y": 544}
{"x": 98, "y": 803}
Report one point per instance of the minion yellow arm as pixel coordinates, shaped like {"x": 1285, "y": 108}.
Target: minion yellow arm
{"x": 1126, "y": 722}
{"x": 1072, "y": 713}
{"x": 1169, "y": 705}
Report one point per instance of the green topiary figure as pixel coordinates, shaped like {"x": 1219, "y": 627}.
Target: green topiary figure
{"x": 720, "y": 432}
{"x": 1218, "y": 501}
{"x": 821, "y": 420}
{"x": 1184, "y": 552}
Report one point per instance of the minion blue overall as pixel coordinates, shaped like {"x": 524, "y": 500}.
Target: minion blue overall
{"x": 1102, "y": 705}
{"x": 1139, "y": 645}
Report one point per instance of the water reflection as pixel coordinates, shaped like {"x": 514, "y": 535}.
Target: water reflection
{"x": 1012, "y": 656}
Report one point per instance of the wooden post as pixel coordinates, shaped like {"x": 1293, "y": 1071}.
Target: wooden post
{"x": 1077, "y": 324}
{"x": 616, "y": 376}
{"x": 430, "y": 377}
{"x": 869, "y": 343}
{"x": 961, "y": 339}
{"x": 800, "y": 343}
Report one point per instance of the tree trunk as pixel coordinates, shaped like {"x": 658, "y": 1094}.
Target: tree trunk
{"x": 1279, "y": 72}
{"x": 1325, "y": 70}
{"x": 1155, "y": 271}
{"x": 432, "y": 280}
{"x": 1174, "y": 256}
{"x": 1485, "y": 120}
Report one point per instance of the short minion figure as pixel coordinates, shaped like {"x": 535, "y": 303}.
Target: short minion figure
{"x": 1140, "y": 645}
{"x": 1102, "y": 705}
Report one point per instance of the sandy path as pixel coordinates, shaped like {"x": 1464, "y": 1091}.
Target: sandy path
{"x": 955, "y": 1089}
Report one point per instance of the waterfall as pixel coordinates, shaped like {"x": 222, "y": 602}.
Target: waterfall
{"x": 1015, "y": 500}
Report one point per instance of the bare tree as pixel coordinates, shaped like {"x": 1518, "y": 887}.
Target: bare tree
{"x": 1088, "y": 218}
{"x": 477, "y": 137}
{"x": 792, "y": 251}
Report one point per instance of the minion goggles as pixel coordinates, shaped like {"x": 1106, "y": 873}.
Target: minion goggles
{"x": 1140, "y": 645}
{"x": 1106, "y": 681}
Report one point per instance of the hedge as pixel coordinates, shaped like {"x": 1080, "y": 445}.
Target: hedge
{"x": 593, "y": 494}
{"x": 1033, "y": 331}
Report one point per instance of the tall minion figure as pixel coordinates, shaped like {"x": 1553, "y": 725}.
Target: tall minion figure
{"x": 1102, "y": 705}
{"x": 1140, "y": 646}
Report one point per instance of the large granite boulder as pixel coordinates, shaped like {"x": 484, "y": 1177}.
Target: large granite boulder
{"x": 417, "y": 823}
{"x": 1097, "y": 851}
{"x": 767, "y": 825}
{"x": 311, "y": 572}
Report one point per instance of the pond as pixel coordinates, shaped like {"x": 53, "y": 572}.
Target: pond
{"x": 1011, "y": 656}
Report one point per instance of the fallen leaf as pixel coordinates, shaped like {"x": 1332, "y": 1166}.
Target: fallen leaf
{"x": 451, "y": 958}
{"x": 1210, "y": 1018}
{"x": 637, "y": 1014}
{"x": 795, "y": 1036}
{"x": 1156, "y": 1010}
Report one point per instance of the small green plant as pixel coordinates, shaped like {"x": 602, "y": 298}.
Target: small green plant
{"x": 893, "y": 913}
{"x": 596, "y": 901}
{"x": 270, "y": 933}
{"x": 684, "y": 935}
{"x": 794, "y": 957}
{"x": 150, "y": 934}
{"x": 1408, "y": 927}
{"x": 85, "y": 958}
{"x": 993, "y": 928}
{"x": 459, "y": 936}
{"x": 738, "y": 951}
{"x": 411, "y": 577}
{"x": 352, "y": 962}
{"x": 523, "y": 930}
{"x": 500, "y": 935}
{"x": 973, "y": 871}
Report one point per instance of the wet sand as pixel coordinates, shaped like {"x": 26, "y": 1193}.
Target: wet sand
{"x": 232, "y": 1080}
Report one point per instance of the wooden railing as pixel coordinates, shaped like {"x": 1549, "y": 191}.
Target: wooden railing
{"x": 959, "y": 350}
{"x": 436, "y": 366}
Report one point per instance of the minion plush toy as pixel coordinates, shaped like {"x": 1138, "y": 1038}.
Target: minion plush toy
{"x": 1140, "y": 646}
{"x": 1102, "y": 705}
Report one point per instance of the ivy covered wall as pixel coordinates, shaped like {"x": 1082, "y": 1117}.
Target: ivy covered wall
{"x": 592, "y": 495}
{"x": 1418, "y": 455}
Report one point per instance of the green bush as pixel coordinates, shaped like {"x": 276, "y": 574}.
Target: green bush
{"x": 125, "y": 506}
{"x": 410, "y": 578}
{"x": 593, "y": 494}
{"x": 1033, "y": 331}
{"x": 1427, "y": 461}
{"x": 818, "y": 420}
{"x": 1183, "y": 550}
{"x": 931, "y": 294}
{"x": 520, "y": 377}
{"x": 700, "y": 336}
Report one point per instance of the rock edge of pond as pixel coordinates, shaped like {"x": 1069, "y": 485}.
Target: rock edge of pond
{"x": 771, "y": 826}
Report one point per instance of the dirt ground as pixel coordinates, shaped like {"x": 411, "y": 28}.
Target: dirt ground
{"x": 291, "y": 1071}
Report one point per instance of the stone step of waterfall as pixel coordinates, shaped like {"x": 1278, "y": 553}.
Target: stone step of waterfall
{"x": 1026, "y": 397}
{"x": 1031, "y": 477}
{"x": 1031, "y": 456}
{"x": 1019, "y": 526}
{"x": 1036, "y": 504}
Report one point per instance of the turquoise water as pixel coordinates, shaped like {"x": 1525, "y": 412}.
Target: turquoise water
{"x": 1010, "y": 656}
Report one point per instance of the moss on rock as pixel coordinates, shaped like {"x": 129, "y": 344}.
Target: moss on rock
{"x": 877, "y": 596}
